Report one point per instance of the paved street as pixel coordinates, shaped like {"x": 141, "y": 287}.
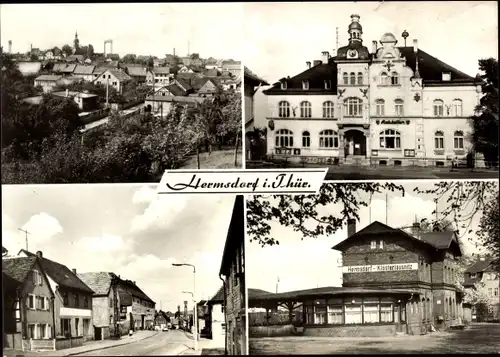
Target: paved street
{"x": 477, "y": 338}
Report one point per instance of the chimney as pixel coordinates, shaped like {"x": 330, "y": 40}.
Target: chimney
{"x": 415, "y": 45}
{"x": 374, "y": 47}
{"x": 325, "y": 56}
{"x": 415, "y": 229}
{"x": 351, "y": 227}
{"x": 74, "y": 271}
{"x": 67, "y": 93}
{"x": 316, "y": 62}
{"x": 308, "y": 64}
{"x": 10, "y": 46}
{"x": 39, "y": 254}
{"x": 133, "y": 282}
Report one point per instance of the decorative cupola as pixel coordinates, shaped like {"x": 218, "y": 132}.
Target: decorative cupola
{"x": 355, "y": 30}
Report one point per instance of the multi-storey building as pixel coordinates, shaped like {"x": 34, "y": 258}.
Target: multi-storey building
{"x": 392, "y": 105}
{"x": 233, "y": 269}
{"x": 135, "y": 306}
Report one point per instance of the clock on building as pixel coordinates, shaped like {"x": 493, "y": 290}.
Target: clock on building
{"x": 352, "y": 53}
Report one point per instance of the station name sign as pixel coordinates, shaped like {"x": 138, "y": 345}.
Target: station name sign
{"x": 379, "y": 268}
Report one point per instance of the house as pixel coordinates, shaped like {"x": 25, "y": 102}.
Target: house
{"x": 87, "y": 102}
{"x": 212, "y": 72}
{"x": 159, "y": 76}
{"x": 28, "y": 305}
{"x": 72, "y": 302}
{"x": 215, "y": 324}
{"x": 48, "y": 82}
{"x": 186, "y": 61}
{"x": 98, "y": 70}
{"x": 48, "y": 55}
{"x": 84, "y": 72}
{"x": 171, "y": 90}
{"x": 391, "y": 105}
{"x": 5, "y": 252}
{"x": 158, "y": 62}
{"x": 139, "y": 74}
{"x": 232, "y": 67}
{"x": 65, "y": 69}
{"x": 137, "y": 310}
{"x": 185, "y": 69}
{"x": 481, "y": 275}
{"x": 233, "y": 270}
{"x": 161, "y": 320}
{"x": 183, "y": 84}
{"x": 170, "y": 60}
{"x": 197, "y": 63}
{"x": 206, "y": 87}
{"x": 114, "y": 77}
{"x": 162, "y": 104}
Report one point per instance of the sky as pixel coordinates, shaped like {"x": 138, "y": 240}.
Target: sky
{"x": 125, "y": 229}
{"x": 281, "y": 37}
{"x": 141, "y": 28}
{"x": 310, "y": 263}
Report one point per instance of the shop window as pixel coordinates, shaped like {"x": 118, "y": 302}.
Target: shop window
{"x": 353, "y": 314}
{"x": 328, "y": 139}
{"x": 328, "y": 108}
{"x": 386, "y": 314}
{"x": 284, "y": 109}
{"x": 306, "y": 139}
{"x": 305, "y": 109}
{"x": 284, "y": 138}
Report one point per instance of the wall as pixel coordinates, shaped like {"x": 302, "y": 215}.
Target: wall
{"x": 271, "y": 331}
{"x": 12, "y": 340}
{"x": 72, "y": 312}
{"x": 63, "y": 343}
{"x": 101, "y": 311}
{"x": 37, "y": 316}
{"x": 351, "y": 331}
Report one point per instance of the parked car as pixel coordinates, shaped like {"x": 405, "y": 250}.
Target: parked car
{"x": 165, "y": 328}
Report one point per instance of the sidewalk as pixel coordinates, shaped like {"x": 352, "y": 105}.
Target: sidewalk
{"x": 92, "y": 345}
{"x": 205, "y": 347}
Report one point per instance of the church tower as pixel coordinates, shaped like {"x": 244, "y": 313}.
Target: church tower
{"x": 355, "y": 30}
{"x": 76, "y": 43}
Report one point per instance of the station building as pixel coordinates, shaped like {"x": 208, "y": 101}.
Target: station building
{"x": 391, "y": 105}
{"x": 393, "y": 282}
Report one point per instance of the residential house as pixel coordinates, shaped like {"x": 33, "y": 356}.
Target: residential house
{"x": 233, "y": 270}
{"x": 230, "y": 83}
{"x": 205, "y": 87}
{"x": 139, "y": 74}
{"x": 48, "y": 55}
{"x": 159, "y": 76}
{"x": 162, "y": 104}
{"x": 211, "y": 73}
{"x": 197, "y": 63}
{"x": 48, "y": 82}
{"x": 171, "y": 90}
{"x": 215, "y": 323}
{"x": 481, "y": 275}
{"x": 87, "y": 102}
{"x": 183, "y": 84}
{"x": 161, "y": 320}
{"x": 232, "y": 67}
{"x": 65, "y": 69}
{"x": 72, "y": 302}
{"x": 137, "y": 310}
{"x": 185, "y": 69}
{"x": 84, "y": 72}
{"x": 98, "y": 70}
{"x": 28, "y": 305}
{"x": 113, "y": 77}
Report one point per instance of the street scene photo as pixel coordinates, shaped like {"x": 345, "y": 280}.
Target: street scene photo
{"x": 93, "y": 98}
{"x": 366, "y": 90}
{"x": 119, "y": 270}
{"x": 381, "y": 267}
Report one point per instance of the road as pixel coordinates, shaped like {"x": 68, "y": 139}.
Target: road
{"x": 168, "y": 343}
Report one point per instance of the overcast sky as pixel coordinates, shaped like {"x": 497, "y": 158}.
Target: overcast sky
{"x": 311, "y": 263}
{"x": 125, "y": 229}
{"x": 212, "y": 29}
{"x": 281, "y": 37}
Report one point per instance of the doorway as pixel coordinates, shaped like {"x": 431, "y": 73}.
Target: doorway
{"x": 355, "y": 143}
{"x": 142, "y": 322}
{"x": 98, "y": 333}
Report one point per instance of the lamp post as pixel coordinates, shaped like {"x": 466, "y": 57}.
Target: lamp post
{"x": 195, "y": 312}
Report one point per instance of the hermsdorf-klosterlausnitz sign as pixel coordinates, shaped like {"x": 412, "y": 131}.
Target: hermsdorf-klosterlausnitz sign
{"x": 379, "y": 268}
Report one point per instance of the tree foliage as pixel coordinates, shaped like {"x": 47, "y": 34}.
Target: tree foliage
{"x": 489, "y": 230}
{"x": 67, "y": 50}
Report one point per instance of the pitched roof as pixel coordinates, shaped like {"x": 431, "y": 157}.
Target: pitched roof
{"x": 64, "y": 67}
{"x": 120, "y": 75}
{"x": 178, "y": 99}
{"x": 136, "y": 71}
{"x": 100, "y": 282}
{"x": 440, "y": 240}
{"x": 75, "y": 57}
{"x": 235, "y": 234}
{"x": 131, "y": 288}
{"x": 17, "y": 269}
{"x": 184, "y": 83}
{"x": 100, "y": 70}
{"x": 253, "y": 78}
{"x": 481, "y": 266}
{"x": 83, "y": 69}
{"x": 211, "y": 72}
{"x": 48, "y": 77}
{"x": 218, "y": 297}
{"x": 162, "y": 70}
{"x": 60, "y": 273}
{"x": 175, "y": 90}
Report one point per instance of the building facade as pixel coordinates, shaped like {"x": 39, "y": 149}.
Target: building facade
{"x": 137, "y": 310}
{"x": 389, "y": 106}
{"x": 48, "y": 82}
{"x": 215, "y": 321}
{"x": 114, "y": 78}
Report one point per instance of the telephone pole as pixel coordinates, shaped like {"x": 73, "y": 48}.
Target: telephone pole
{"x": 25, "y": 236}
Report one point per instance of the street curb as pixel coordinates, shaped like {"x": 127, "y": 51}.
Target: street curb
{"x": 108, "y": 347}
{"x": 182, "y": 352}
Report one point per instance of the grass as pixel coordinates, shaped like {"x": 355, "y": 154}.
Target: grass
{"x": 222, "y": 159}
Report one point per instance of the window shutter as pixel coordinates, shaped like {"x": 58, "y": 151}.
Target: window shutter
{"x": 49, "y": 331}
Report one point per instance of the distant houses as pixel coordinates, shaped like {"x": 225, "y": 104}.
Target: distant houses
{"x": 113, "y": 77}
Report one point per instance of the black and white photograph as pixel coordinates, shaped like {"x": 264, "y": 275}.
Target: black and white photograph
{"x": 383, "y": 268}
{"x": 119, "y": 93}
{"x": 100, "y": 270}
{"x": 373, "y": 90}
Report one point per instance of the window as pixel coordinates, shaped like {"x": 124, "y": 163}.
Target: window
{"x": 328, "y": 108}
{"x": 446, "y": 76}
{"x": 384, "y": 79}
{"x": 495, "y": 292}
{"x": 370, "y": 313}
{"x": 395, "y": 79}
{"x": 490, "y": 292}
{"x": 31, "y": 302}
{"x": 438, "y": 107}
{"x": 305, "y": 85}
{"x": 86, "y": 302}
{"x": 360, "y": 78}
{"x": 328, "y": 84}
{"x": 320, "y": 314}
{"x": 42, "y": 331}
{"x": 37, "y": 277}
{"x": 328, "y": 139}
{"x": 284, "y": 109}
{"x": 399, "y": 107}
{"x": 380, "y": 105}
{"x": 43, "y": 303}
{"x": 335, "y": 314}
{"x": 283, "y": 85}
{"x": 373, "y": 244}
{"x": 32, "y": 331}
{"x": 457, "y": 107}
{"x": 439, "y": 140}
{"x": 306, "y": 139}
{"x": 458, "y": 140}
{"x": 390, "y": 139}
{"x": 65, "y": 298}
{"x": 381, "y": 244}
{"x": 305, "y": 109}
{"x": 77, "y": 325}
{"x": 309, "y": 315}
{"x": 345, "y": 78}
{"x": 353, "y": 314}
{"x": 353, "y": 107}
{"x": 75, "y": 300}
{"x": 352, "y": 78}
{"x": 284, "y": 138}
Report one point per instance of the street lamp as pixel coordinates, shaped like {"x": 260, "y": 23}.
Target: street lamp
{"x": 194, "y": 300}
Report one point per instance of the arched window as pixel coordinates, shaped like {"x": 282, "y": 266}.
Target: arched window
{"x": 399, "y": 107}
{"x": 390, "y": 139}
{"x": 360, "y": 78}
{"x": 328, "y": 109}
{"x": 352, "y": 78}
{"x": 353, "y": 107}
{"x": 439, "y": 140}
{"x": 458, "y": 140}
{"x": 380, "y": 105}
{"x": 306, "y": 139}
{"x": 328, "y": 139}
{"x": 457, "y": 107}
{"x": 345, "y": 78}
{"x": 305, "y": 109}
{"x": 438, "y": 107}
{"x": 284, "y": 138}
{"x": 284, "y": 109}
{"x": 384, "y": 79}
{"x": 395, "y": 78}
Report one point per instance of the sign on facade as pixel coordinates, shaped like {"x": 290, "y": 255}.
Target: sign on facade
{"x": 379, "y": 268}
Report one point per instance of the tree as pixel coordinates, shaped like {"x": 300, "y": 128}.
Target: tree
{"x": 195, "y": 56}
{"x": 67, "y": 50}
{"x": 485, "y": 124}
{"x": 489, "y": 230}
{"x": 90, "y": 51}
{"x": 477, "y": 297}
{"x": 129, "y": 58}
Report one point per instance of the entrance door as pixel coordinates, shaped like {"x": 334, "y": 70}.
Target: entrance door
{"x": 98, "y": 333}
{"x": 142, "y": 322}
{"x": 355, "y": 143}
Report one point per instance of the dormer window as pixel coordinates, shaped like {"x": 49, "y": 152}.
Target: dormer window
{"x": 446, "y": 76}
{"x": 328, "y": 84}
{"x": 283, "y": 85}
{"x": 305, "y": 85}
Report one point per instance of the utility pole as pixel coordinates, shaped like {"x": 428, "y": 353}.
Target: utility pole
{"x": 25, "y": 236}
{"x": 277, "y": 283}
{"x": 107, "y": 92}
